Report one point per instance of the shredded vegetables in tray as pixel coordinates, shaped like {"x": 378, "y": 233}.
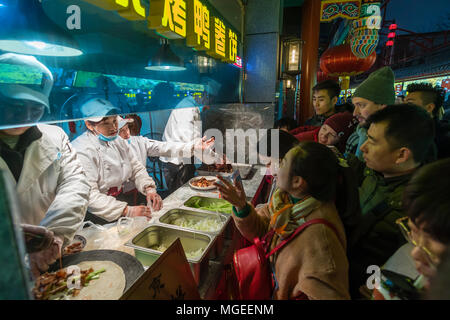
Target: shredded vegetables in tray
{"x": 206, "y": 224}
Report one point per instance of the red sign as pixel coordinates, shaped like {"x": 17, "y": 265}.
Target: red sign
{"x": 238, "y": 62}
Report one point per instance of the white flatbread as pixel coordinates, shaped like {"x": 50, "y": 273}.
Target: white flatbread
{"x": 109, "y": 286}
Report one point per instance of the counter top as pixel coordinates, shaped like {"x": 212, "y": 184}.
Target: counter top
{"x": 176, "y": 200}
{"x": 178, "y": 197}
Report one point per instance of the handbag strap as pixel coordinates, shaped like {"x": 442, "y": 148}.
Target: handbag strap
{"x": 300, "y": 229}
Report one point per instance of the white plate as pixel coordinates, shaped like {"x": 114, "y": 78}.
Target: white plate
{"x": 203, "y": 189}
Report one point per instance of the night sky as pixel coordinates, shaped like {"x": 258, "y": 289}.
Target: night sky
{"x": 420, "y": 15}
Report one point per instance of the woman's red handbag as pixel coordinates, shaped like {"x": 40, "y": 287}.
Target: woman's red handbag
{"x": 252, "y": 266}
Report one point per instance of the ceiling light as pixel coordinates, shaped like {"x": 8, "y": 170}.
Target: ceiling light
{"x": 166, "y": 60}
{"x": 27, "y": 29}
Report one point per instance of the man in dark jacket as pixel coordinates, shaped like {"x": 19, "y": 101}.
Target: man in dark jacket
{"x": 325, "y": 97}
{"x": 392, "y": 153}
{"x": 431, "y": 99}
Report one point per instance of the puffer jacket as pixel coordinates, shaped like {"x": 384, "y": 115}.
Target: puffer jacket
{"x": 314, "y": 263}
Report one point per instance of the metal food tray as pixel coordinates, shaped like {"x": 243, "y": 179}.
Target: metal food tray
{"x": 194, "y": 214}
{"x": 156, "y": 235}
{"x": 208, "y": 201}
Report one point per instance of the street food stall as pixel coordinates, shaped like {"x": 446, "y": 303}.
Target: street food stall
{"x": 71, "y": 58}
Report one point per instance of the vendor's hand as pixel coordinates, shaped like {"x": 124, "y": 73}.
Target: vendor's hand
{"x": 203, "y": 144}
{"x": 154, "y": 200}
{"x": 138, "y": 211}
{"x": 41, "y": 260}
{"x": 37, "y": 238}
{"x": 234, "y": 194}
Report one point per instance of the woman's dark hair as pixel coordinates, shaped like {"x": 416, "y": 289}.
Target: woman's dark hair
{"x": 286, "y": 122}
{"x": 286, "y": 142}
{"x": 426, "y": 199}
{"x": 319, "y": 166}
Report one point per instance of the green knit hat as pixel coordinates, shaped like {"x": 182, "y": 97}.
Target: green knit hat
{"x": 378, "y": 87}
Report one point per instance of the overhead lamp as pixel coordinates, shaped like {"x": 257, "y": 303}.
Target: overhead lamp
{"x": 291, "y": 56}
{"x": 27, "y": 29}
{"x": 165, "y": 60}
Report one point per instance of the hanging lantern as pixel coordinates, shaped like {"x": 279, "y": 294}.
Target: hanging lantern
{"x": 364, "y": 34}
{"x": 322, "y": 76}
{"x": 340, "y": 61}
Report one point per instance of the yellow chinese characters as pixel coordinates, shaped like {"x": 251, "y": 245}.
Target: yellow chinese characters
{"x": 198, "y": 28}
{"x": 133, "y": 10}
{"x": 129, "y": 9}
{"x": 218, "y": 43}
{"x": 232, "y": 47}
{"x": 168, "y": 18}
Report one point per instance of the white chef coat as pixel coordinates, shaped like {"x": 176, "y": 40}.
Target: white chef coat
{"x": 143, "y": 148}
{"x": 109, "y": 165}
{"x": 52, "y": 189}
{"x": 183, "y": 126}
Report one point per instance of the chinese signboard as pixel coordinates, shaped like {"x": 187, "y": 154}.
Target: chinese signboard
{"x": 332, "y": 9}
{"x": 192, "y": 20}
{"x": 169, "y": 278}
{"x": 199, "y": 26}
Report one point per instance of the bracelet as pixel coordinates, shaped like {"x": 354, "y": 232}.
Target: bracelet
{"x": 243, "y": 213}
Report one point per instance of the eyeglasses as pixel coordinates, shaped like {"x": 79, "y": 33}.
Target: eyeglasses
{"x": 408, "y": 234}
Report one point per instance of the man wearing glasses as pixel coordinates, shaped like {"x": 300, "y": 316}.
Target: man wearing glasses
{"x": 427, "y": 230}
{"x": 427, "y": 225}
{"x": 399, "y": 138}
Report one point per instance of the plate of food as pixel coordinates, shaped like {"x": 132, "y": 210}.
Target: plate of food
{"x": 203, "y": 183}
{"x": 214, "y": 169}
{"x": 100, "y": 275}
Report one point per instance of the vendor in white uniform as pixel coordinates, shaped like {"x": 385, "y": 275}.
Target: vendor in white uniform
{"x": 144, "y": 147}
{"x": 51, "y": 186}
{"x": 110, "y": 163}
{"x": 184, "y": 125}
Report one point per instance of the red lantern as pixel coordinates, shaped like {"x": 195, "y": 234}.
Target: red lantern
{"x": 322, "y": 76}
{"x": 340, "y": 61}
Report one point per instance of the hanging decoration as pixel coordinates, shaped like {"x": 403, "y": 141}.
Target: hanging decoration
{"x": 322, "y": 76}
{"x": 340, "y": 62}
{"x": 364, "y": 34}
{"x": 332, "y": 9}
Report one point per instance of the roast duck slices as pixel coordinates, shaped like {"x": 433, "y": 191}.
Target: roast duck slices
{"x": 203, "y": 183}
{"x": 52, "y": 284}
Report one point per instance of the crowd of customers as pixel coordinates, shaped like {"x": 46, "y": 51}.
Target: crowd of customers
{"x": 379, "y": 176}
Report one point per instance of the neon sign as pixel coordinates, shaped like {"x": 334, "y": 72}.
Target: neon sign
{"x": 181, "y": 19}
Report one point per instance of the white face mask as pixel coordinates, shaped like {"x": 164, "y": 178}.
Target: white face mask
{"x": 104, "y": 138}
{"x": 107, "y": 138}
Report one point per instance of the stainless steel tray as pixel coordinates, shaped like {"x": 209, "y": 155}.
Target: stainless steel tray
{"x": 196, "y": 216}
{"x": 146, "y": 242}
